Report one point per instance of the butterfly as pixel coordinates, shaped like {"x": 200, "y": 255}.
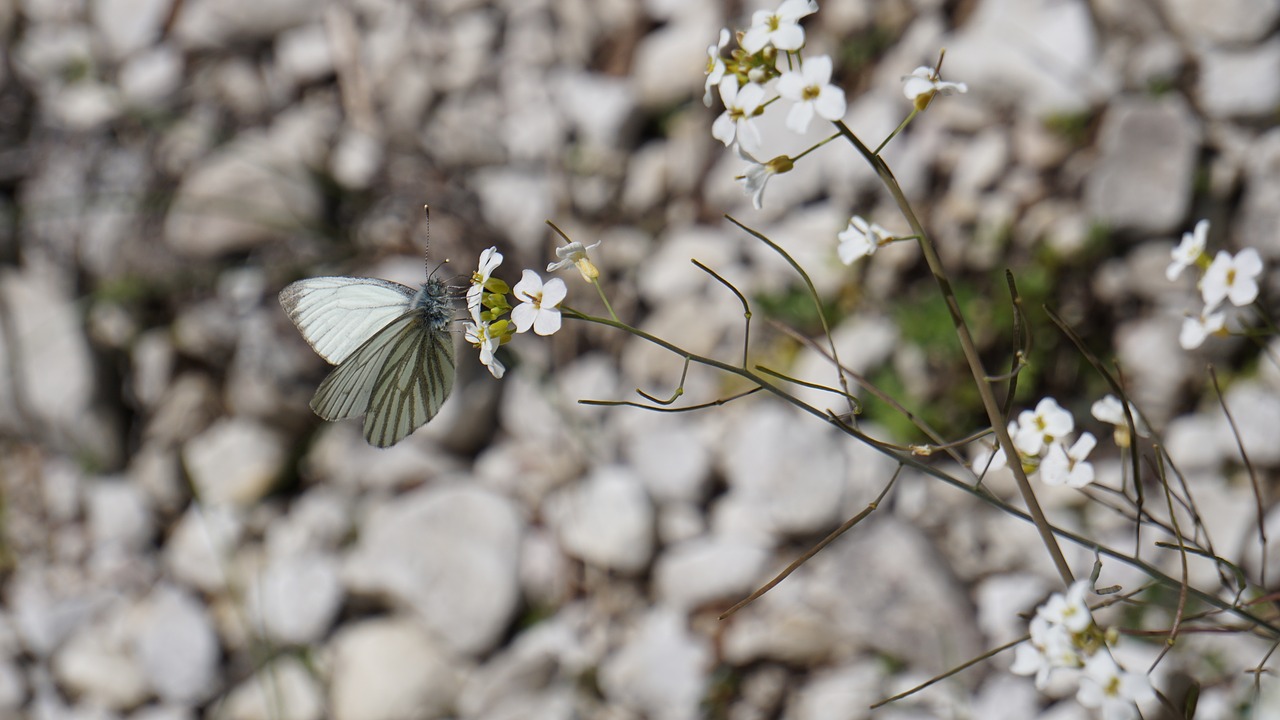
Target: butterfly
{"x": 391, "y": 344}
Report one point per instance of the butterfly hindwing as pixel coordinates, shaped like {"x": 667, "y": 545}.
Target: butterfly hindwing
{"x": 415, "y": 380}
{"x": 345, "y": 392}
{"x": 337, "y": 315}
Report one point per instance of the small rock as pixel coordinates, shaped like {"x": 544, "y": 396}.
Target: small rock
{"x": 303, "y": 54}
{"x": 13, "y": 687}
{"x": 1255, "y": 410}
{"x": 981, "y": 55}
{"x": 1240, "y": 83}
{"x": 1143, "y": 178}
{"x": 390, "y": 669}
{"x": 663, "y": 56}
{"x": 224, "y": 23}
{"x": 671, "y": 460}
{"x": 164, "y": 712}
{"x": 153, "y": 360}
{"x": 661, "y": 670}
{"x": 844, "y": 691}
{"x": 1222, "y": 21}
{"x": 176, "y": 645}
{"x": 596, "y": 106}
{"x": 128, "y": 26}
{"x": 793, "y": 470}
{"x": 517, "y": 201}
{"x": 356, "y": 158}
{"x": 707, "y": 569}
{"x": 1260, "y": 209}
{"x": 251, "y": 176}
{"x": 202, "y": 545}
{"x": 282, "y": 690}
{"x": 607, "y": 520}
{"x": 119, "y": 515}
{"x": 236, "y": 461}
{"x": 97, "y": 664}
{"x": 296, "y": 598}
{"x": 46, "y": 609}
{"x": 468, "y": 591}
{"x": 54, "y": 370}
{"x": 151, "y": 77}
{"x": 188, "y": 405}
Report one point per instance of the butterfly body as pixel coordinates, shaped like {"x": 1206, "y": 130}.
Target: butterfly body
{"x": 391, "y": 344}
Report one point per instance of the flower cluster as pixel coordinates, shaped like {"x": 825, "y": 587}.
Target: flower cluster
{"x": 538, "y": 308}
{"x": 1040, "y": 437}
{"x": 1065, "y": 638}
{"x": 1225, "y": 277}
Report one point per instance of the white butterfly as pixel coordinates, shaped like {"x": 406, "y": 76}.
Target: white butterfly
{"x": 391, "y": 344}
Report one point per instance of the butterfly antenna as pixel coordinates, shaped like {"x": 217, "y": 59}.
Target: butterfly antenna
{"x": 426, "y": 254}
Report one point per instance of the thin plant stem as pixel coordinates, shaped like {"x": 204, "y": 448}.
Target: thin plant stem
{"x": 970, "y": 350}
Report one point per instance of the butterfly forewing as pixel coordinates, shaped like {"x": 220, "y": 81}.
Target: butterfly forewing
{"x": 337, "y": 315}
{"x": 416, "y": 378}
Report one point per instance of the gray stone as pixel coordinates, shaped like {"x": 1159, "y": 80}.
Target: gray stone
{"x": 1255, "y": 410}
{"x": 282, "y": 690}
{"x": 607, "y": 520}
{"x": 1259, "y": 214}
{"x": 1143, "y": 178}
{"x": 903, "y": 600}
{"x": 236, "y": 461}
{"x": 201, "y": 546}
{"x": 303, "y": 54}
{"x": 670, "y": 459}
{"x": 843, "y": 691}
{"x": 128, "y": 26}
{"x": 97, "y": 664}
{"x": 53, "y": 370}
{"x": 295, "y": 599}
{"x": 661, "y": 669}
{"x": 517, "y": 201}
{"x": 221, "y": 23}
{"x": 696, "y": 572}
{"x": 48, "y": 603}
{"x": 151, "y": 77}
{"x": 176, "y": 645}
{"x": 390, "y": 669}
{"x": 467, "y": 589}
{"x": 1240, "y": 83}
{"x": 791, "y": 470}
{"x": 982, "y": 55}
{"x": 240, "y": 196}
{"x": 119, "y": 514}
{"x": 1222, "y": 21}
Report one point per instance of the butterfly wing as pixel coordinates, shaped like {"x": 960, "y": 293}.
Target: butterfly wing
{"x": 397, "y": 379}
{"x": 416, "y": 379}
{"x": 337, "y": 315}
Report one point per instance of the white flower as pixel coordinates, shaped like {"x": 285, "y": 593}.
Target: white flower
{"x": 1069, "y": 467}
{"x": 860, "y": 239}
{"x": 480, "y": 335}
{"x": 575, "y": 253}
{"x": 780, "y": 28}
{"x": 1110, "y": 411}
{"x": 737, "y": 120}
{"x": 1042, "y": 427}
{"x": 923, "y": 83}
{"x": 1189, "y": 250}
{"x": 715, "y": 65}
{"x": 1050, "y": 648}
{"x": 489, "y": 261}
{"x": 1070, "y": 610}
{"x": 1233, "y": 278}
{"x": 1196, "y": 329}
{"x": 757, "y": 174}
{"x": 1106, "y": 687}
{"x": 811, "y": 91}
{"x": 538, "y": 302}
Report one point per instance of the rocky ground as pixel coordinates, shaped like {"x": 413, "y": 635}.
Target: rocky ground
{"x": 183, "y": 538}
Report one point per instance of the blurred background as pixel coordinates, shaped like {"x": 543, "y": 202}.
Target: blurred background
{"x": 183, "y": 538}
